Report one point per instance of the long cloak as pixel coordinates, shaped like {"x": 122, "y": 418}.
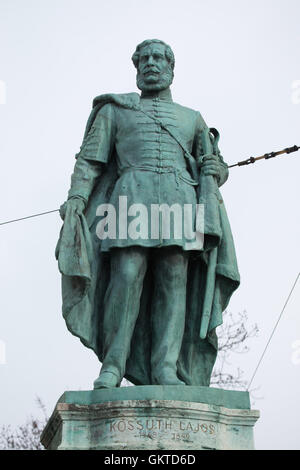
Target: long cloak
{"x": 86, "y": 272}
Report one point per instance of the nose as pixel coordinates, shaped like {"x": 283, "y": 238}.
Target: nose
{"x": 150, "y": 60}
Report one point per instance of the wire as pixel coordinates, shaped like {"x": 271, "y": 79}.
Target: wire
{"x": 28, "y": 217}
{"x": 262, "y": 356}
{"x": 266, "y": 156}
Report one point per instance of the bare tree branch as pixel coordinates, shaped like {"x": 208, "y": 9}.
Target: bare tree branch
{"x": 27, "y": 436}
{"x": 233, "y": 338}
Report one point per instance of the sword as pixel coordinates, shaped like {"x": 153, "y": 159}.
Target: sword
{"x": 208, "y": 183}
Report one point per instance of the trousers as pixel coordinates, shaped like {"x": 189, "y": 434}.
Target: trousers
{"x": 168, "y": 305}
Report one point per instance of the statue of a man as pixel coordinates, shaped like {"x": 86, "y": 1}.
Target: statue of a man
{"x": 138, "y": 301}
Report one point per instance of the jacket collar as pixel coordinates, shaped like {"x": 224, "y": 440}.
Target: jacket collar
{"x": 165, "y": 95}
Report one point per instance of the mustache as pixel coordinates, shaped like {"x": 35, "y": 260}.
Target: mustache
{"x": 150, "y": 70}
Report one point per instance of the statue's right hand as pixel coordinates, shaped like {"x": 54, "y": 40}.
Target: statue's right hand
{"x": 75, "y": 203}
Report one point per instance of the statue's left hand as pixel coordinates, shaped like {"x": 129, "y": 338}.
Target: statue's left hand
{"x": 75, "y": 203}
{"x": 210, "y": 166}
{"x": 62, "y": 210}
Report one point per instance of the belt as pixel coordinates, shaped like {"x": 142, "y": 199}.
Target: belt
{"x": 161, "y": 170}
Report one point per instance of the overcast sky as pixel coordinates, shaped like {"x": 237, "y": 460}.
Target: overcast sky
{"x": 237, "y": 62}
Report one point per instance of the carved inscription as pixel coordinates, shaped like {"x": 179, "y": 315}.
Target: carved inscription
{"x": 152, "y": 428}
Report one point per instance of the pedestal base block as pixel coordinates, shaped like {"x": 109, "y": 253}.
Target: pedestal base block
{"x": 152, "y": 417}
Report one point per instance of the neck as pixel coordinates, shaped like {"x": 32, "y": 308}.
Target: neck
{"x": 161, "y": 94}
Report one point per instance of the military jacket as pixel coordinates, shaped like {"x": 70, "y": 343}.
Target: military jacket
{"x": 151, "y": 165}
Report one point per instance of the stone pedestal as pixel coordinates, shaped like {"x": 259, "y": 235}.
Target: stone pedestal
{"x": 152, "y": 417}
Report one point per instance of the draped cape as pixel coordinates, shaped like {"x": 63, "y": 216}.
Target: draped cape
{"x": 85, "y": 274}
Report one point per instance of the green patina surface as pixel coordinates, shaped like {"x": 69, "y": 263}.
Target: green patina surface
{"x": 152, "y": 417}
{"x": 211, "y": 396}
{"x": 149, "y": 307}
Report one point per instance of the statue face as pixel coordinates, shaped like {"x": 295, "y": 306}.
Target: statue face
{"x": 154, "y": 70}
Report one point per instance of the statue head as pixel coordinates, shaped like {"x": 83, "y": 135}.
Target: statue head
{"x": 154, "y": 61}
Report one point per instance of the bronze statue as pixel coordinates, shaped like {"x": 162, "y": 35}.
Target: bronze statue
{"x": 139, "y": 296}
